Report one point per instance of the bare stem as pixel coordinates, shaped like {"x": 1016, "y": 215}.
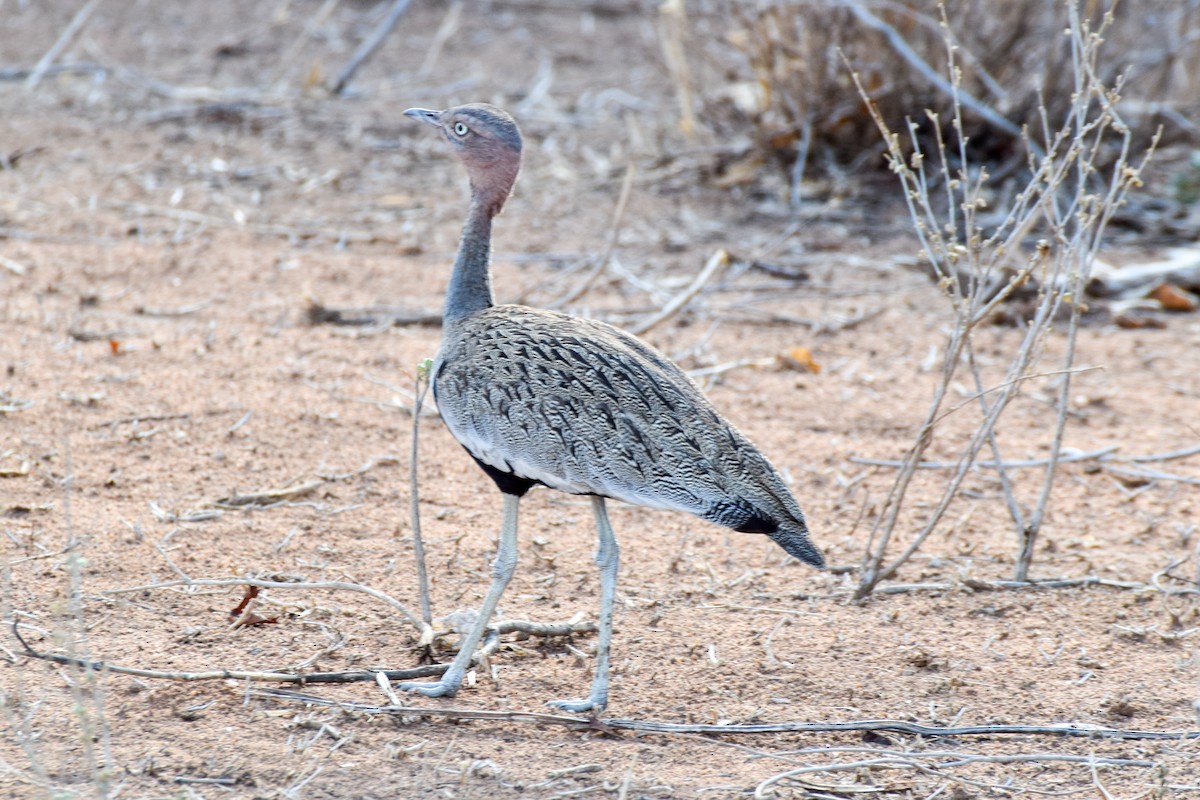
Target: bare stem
{"x": 414, "y": 504}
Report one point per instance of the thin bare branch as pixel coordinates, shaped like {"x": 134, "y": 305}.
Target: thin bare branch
{"x": 550, "y": 629}
{"x": 1075, "y": 730}
{"x": 716, "y": 262}
{"x": 297, "y": 585}
{"x": 1033, "y": 462}
{"x": 369, "y": 46}
{"x": 424, "y": 380}
{"x": 64, "y": 39}
{"x": 614, "y": 233}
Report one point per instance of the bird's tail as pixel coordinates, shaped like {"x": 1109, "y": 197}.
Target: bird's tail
{"x": 794, "y": 539}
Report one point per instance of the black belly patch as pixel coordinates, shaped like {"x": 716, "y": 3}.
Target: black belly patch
{"x": 506, "y": 481}
{"x": 757, "y": 524}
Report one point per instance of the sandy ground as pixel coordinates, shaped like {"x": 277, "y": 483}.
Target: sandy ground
{"x": 161, "y": 254}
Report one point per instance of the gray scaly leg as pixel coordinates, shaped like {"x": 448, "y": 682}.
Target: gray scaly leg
{"x": 502, "y": 570}
{"x": 608, "y": 556}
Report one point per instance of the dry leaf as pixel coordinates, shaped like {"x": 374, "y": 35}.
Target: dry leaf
{"x": 242, "y": 617}
{"x": 799, "y": 358}
{"x": 1174, "y": 298}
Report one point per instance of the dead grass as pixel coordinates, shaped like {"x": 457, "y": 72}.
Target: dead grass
{"x": 792, "y": 95}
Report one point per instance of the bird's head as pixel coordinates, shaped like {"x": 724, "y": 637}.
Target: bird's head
{"x": 487, "y": 142}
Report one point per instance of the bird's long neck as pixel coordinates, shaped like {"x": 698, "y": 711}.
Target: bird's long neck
{"x": 470, "y": 287}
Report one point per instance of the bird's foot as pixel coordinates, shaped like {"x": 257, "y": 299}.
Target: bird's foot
{"x": 442, "y": 688}
{"x": 592, "y": 705}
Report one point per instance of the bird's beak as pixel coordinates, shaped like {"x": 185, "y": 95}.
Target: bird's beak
{"x": 425, "y": 115}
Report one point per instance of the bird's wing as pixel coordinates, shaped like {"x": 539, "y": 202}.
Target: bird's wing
{"x": 586, "y": 408}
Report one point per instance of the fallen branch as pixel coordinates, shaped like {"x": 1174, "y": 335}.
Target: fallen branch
{"x": 1149, "y": 475}
{"x": 545, "y": 630}
{"x": 1036, "y": 462}
{"x": 288, "y": 585}
{"x": 447, "y": 29}
{"x": 139, "y": 418}
{"x": 21, "y": 73}
{"x": 369, "y": 316}
{"x": 978, "y": 585}
{"x": 229, "y": 674}
{"x": 1076, "y": 730}
{"x": 1181, "y": 267}
{"x": 729, "y": 366}
{"x": 1106, "y": 458}
{"x": 955, "y": 758}
{"x": 180, "y": 311}
{"x": 908, "y": 761}
{"x": 191, "y": 515}
{"x": 542, "y": 629}
{"x": 193, "y": 94}
{"x": 269, "y": 496}
{"x": 1168, "y": 456}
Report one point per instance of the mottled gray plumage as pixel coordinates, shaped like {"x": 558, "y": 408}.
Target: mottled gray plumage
{"x": 539, "y": 397}
{"x": 584, "y": 407}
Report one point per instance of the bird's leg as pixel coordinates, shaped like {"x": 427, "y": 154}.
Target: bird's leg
{"x": 502, "y": 570}
{"x": 608, "y": 556}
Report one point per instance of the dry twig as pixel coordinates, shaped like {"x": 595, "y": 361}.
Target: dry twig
{"x": 370, "y": 316}
{"x": 297, "y": 585}
{"x": 269, "y": 496}
{"x": 717, "y": 261}
{"x": 423, "y": 382}
{"x": 65, "y": 38}
{"x": 1080, "y": 730}
{"x": 614, "y": 233}
{"x": 430, "y": 670}
{"x": 369, "y": 45}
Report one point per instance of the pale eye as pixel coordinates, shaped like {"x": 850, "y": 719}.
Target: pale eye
{"x": 460, "y": 129}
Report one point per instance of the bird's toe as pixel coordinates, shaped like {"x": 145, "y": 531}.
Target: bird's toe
{"x": 429, "y": 688}
{"x": 583, "y": 706}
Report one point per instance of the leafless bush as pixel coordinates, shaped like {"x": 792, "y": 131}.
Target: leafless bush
{"x": 791, "y": 91}
{"x": 1074, "y": 189}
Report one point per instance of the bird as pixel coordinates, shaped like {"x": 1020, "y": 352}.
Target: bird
{"x": 540, "y": 397}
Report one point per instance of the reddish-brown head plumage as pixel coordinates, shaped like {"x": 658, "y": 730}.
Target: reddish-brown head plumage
{"x": 487, "y": 142}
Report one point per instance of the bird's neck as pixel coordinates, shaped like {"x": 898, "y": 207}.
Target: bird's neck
{"x": 470, "y": 287}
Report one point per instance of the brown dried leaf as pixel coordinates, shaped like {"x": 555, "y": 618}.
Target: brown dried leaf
{"x": 1174, "y": 298}
{"x": 799, "y": 358}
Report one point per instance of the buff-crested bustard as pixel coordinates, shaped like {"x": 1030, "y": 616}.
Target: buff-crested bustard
{"x": 540, "y": 397}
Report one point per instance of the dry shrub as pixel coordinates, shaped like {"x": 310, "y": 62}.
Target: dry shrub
{"x": 1080, "y": 173}
{"x": 788, "y": 66}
